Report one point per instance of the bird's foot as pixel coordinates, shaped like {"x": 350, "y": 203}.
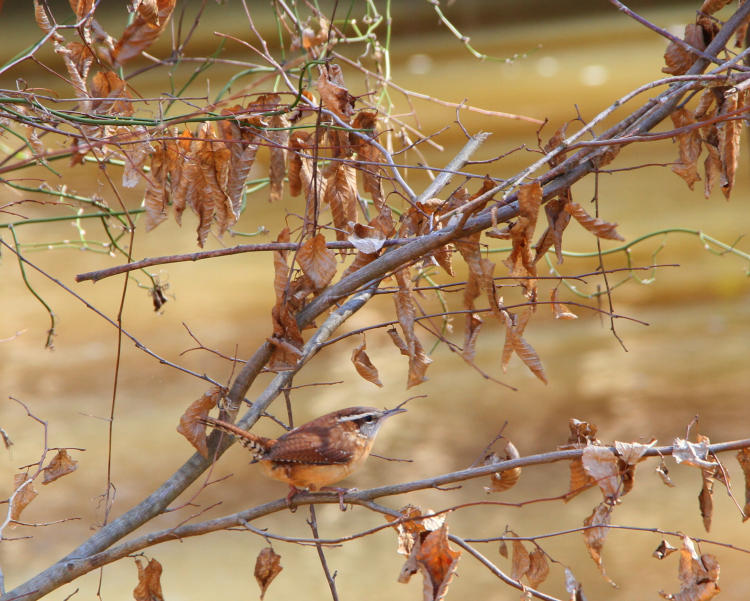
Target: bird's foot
{"x": 341, "y": 492}
{"x": 293, "y": 490}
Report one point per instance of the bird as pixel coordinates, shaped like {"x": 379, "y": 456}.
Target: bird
{"x": 316, "y": 454}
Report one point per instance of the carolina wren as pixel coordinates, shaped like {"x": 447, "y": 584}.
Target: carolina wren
{"x": 318, "y": 453}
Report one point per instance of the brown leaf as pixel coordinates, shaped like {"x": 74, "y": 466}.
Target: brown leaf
{"x": 191, "y": 426}
{"x": 699, "y": 575}
{"x": 413, "y": 528}
{"x": 149, "y": 581}
{"x": 709, "y": 7}
{"x": 581, "y": 434}
{"x": 108, "y": 89}
{"x": 81, "y": 8}
{"x": 506, "y": 479}
{"x": 557, "y": 220}
{"x": 135, "y": 144}
{"x": 60, "y": 465}
{"x": 473, "y": 326}
{"x": 663, "y": 550}
{"x": 594, "y": 536}
{"x": 677, "y": 58}
{"x": 559, "y": 310}
{"x": 211, "y": 203}
{"x": 341, "y": 196}
{"x": 596, "y": 226}
{"x": 267, "y": 567}
{"x": 690, "y": 147}
{"x": 601, "y": 464}
{"x": 520, "y": 563}
{"x": 317, "y": 262}
{"x": 712, "y": 168}
{"x": 729, "y": 139}
{"x": 242, "y": 153}
{"x": 663, "y": 473}
{"x": 279, "y": 139}
{"x": 520, "y": 262}
{"x": 363, "y": 365}
{"x": 406, "y": 312}
{"x": 437, "y": 562}
{"x": 692, "y": 453}
{"x": 333, "y": 95}
{"x": 143, "y": 31}
{"x": 480, "y": 274}
{"x": 21, "y": 498}
{"x": 706, "y": 501}
{"x": 155, "y": 197}
{"x": 366, "y": 239}
{"x": 523, "y": 349}
{"x": 743, "y": 456}
{"x": 398, "y": 341}
{"x": 538, "y": 568}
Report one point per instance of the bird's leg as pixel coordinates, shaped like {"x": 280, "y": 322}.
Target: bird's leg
{"x": 341, "y": 492}
{"x": 293, "y": 490}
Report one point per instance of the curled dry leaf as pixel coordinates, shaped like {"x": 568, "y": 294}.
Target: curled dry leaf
{"x": 573, "y": 587}
{"x": 437, "y": 562}
{"x": 473, "y": 327}
{"x": 506, "y": 479}
{"x": 21, "y": 498}
{"x": 279, "y": 139}
{"x": 582, "y": 433}
{"x": 341, "y": 196}
{"x": 333, "y": 95}
{"x": 538, "y": 568}
{"x": 743, "y": 456}
{"x": 692, "y": 453}
{"x": 698, "y": 575}
{"x": 191, "y": 426}
{"x": 598, "y": 227}
{"x": 317, "y": 262}
{"x": 520, "y": 262}
{"x": 595, "y": 534}
{"x": 601, "y": 464}
{"x": 149, "y": 581}
{"x": 367, "y": 239}
{"x": 663, "y": 550}
{"x": 559, "y": 310}
{"x": 61, "y": 465}
{"x": 363, "y": 365}
{"x": 406, "y": 312}
{"x": 267, "y": 567}
{"x": 520, "y": 561}
{"x": 143, "y": 31}
{"x": 729, "y": 138}
{"x": 413, "y": 527}
{"x": 523, "y": 349}
{"x": 677, "y": 58}
{"x": 663, "y": 473}
{"x": 630, "y": 454}
{"x": 690, "y": 147}
{"x": 709, "y": 7}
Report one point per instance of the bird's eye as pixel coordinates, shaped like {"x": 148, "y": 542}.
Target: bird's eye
{"x": 369, "y": 418}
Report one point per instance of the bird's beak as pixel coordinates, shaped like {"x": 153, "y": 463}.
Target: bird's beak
{"x": 394, "y": 411}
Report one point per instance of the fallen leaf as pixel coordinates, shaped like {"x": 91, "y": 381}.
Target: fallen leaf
{"x": 267, "y": 567}
{"x": 191, "y": 426}
{"x": 149, "y": 582}
{"x": 60, "y": 465}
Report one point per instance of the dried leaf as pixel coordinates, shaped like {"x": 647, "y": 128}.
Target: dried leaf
{"x": 523, "y": 349}
{"x": 413, "y": 528}
{"x": 242, "y": 152}
{"x": 538, "y": 568}
{"x": 108, "y": 90}
{"x": 406, "y": 312}
{"x": 503, "y": 549}
{"x": 557, "y": 220}
{"x": 663, "y": 473}
{"x": 317, "y": 262}
{"x": 279, "y": 139}
{"x": 333, "y": 95}
{"x": 729, "y": 139}
{"x": 596, "y": 226}
{"x": 366, "y": 238}
{"x": 706, "y": 501}
{"x": 143, "y": 31}
{"x": 267, "y": 567}
{"x": 81, "y": 8}
{"x": 594, "y": 536}
{"x": 155, "y": 198}
{"x": 709, "y": 7}
{"x": 191, "y": 426}
{"x": 573, "y": 587}
{"x": 699, "y": 575}
{"x": 473, "y": 326}
{"x": 559, "y": 310}
{"x": 691, "y": 453}
{"x": 341, "y": 196}
{"x": 149, "y": 581}
{"x": 21, "y": 498}
{"x": 601, "y": 464}
{"x": 690, "y": 147}
{"x": 211, "y": 202}
{"x": 743, "y": 456}
{"x": 520, "y": 262}
{"x": 135, "y": 144}
{"x": 506, "y": 479}
{"x": 677, "y": 58}
{"x": 437, "y": 562}
{"x": 520, "y": 562}
{"x": 60, "y": 465}
{"x": 363, "y": 365}
{"x": 663, "y": 550}
{"x": 398, "y": 341}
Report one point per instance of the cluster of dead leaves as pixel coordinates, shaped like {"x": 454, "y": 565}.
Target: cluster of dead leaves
{"x": 698, "y": 573}
{"x": 23, "y": 484}
{"x": 424, "y": 541}
{"x": 715, "y": 123}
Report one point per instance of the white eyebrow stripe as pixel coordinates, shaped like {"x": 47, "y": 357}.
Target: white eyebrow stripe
{"x": 351, "y": 418}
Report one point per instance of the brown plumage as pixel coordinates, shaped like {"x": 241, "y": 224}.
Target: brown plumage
{"x": 318, "y": 453}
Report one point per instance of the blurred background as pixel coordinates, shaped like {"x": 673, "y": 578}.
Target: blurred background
{"x": 691, "y": 359}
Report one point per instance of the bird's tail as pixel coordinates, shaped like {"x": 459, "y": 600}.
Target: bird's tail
{"x": 257, "y": 445}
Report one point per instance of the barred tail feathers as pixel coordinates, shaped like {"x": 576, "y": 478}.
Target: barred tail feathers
{"x": 257, "y": 445}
